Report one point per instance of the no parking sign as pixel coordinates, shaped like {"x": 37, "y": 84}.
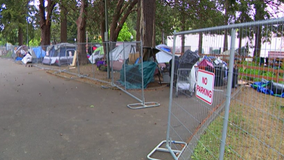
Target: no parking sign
{"x": 205, "y": 86}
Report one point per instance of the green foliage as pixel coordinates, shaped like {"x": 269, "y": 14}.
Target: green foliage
{"x": 124, "y": 34}
{"x": 34, "y": 42}
{"x": 14, "y": 17}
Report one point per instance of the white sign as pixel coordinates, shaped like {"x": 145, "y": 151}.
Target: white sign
{"x": 205, "y": 86}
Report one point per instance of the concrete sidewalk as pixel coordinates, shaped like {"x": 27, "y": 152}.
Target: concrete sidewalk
{"x": 43, "y": 117}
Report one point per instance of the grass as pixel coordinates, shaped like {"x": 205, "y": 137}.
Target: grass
{"x": 255, "y": 129}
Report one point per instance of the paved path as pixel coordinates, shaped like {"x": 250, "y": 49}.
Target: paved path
{"x": 43, "y": 117}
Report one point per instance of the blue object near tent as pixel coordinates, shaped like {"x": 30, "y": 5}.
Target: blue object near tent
{"x": 39, "y": 52}
{"x": 18, "y": 59}
{"x": 269, "y": 87}
{"x": 131, "y": 78}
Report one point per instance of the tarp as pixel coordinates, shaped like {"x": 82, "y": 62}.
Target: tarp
{"x": 163, "y": 47}
{"x": 269, "y": 87}
{"x": 134, "y": 74}
{"x": 188, "y": 59}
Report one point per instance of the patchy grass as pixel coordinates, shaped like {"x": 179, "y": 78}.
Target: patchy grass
{"x": 255, "y": 129}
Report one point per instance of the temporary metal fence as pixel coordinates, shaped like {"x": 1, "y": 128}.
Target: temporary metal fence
{"x": 7, "y": 51}
{"x": 123, "y": 66}
{"x": 132, "y": 68}
{"x": 236, "y": 109}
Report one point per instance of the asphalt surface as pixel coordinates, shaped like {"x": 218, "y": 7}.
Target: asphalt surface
{"x": 44, "y": 117}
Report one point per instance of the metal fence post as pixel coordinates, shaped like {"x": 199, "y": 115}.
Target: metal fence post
{"x": 171, "y": 90}
{"x": 228, "y": 95}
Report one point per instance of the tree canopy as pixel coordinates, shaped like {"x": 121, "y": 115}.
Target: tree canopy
{"x": 57, "y": 20}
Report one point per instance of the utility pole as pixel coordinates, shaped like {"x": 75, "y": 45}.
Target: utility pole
{"x": 106, "y": 41}
{"x": 28, "y": 24}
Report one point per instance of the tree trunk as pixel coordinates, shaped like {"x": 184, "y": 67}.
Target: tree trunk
{"x": 257, "y": 45}
{"x": 81, "y": 33}
{"x": 182, "y": 36}
{"x": 45, "y": 20}
{"x": 240, "y": 40}
{"x": 240, "y": 44}
{"x": 147, "y": 22}
{"x": 225, "y": 45}
{"x": 63, "y": 26}
{"x": 138, "y": 32}
{"x": 200, "y": 43}
{"x": 20, "y": 36}
{"x": 45, "y": 34}
{"x": 259, "y": 14}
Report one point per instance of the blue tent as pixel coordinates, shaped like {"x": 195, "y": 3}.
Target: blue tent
{"x": 39, "y": 52}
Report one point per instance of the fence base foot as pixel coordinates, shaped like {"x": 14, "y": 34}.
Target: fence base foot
{"x": 162, "y": 147}
{"x": 143, "y": 105}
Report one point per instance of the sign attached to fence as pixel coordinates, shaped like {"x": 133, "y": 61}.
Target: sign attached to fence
{"x": 205, "y": 86}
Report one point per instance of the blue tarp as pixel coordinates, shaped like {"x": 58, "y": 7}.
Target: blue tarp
{"x": 39, "y": 52}
{"x": 18, "y": 58}
{"x": 267, "y": 87}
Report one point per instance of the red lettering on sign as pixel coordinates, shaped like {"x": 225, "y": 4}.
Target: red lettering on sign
{"x": 204, "y": 91}
{"x": 204, "y": 80}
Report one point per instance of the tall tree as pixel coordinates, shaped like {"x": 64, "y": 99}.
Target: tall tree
{"x": 261, "y": 13}
{"x": 63, "y": 20}
{"x": 45, "y": 19}
{"x": 185, "y": 15}
{"x": 147, "y": 22}
{"x": 81, "y": 33}
{"x": 14, "y": 17}
{"x": 121, "y": 12}
{"x": 207, "y": 15}
{"x": 245, "y": 12}
{"x": 163, "y": 25}
{"x": 229, "y": 8}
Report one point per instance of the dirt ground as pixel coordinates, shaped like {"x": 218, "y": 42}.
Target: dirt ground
{"x": 48, "y": 117}
{"x": 92, "y": 71}
{"x": 48, "y": 114}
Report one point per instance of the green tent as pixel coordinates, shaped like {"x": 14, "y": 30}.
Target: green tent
{"x": 97, "y": 54}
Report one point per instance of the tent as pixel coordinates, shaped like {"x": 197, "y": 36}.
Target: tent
{"x": 121, "y": 52}
{"x": 59, "y": 54}
{"x": 164, "y": 55}
{"x": 206, "y": 65}
{"x": 37, "y": 54}
{"x": 97, "y": 54}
